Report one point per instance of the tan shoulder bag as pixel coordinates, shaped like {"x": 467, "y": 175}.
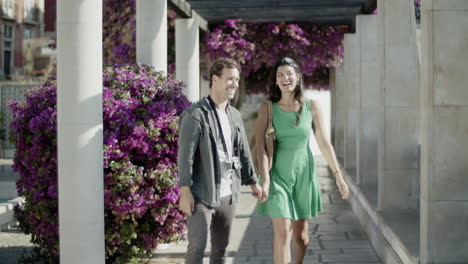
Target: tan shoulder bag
{"x": 270, "y": 141}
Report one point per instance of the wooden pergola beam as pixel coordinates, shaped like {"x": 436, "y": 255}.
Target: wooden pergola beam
{"x": 277, "y": 15}
{"x": 269, "y": 3}
{"x": 321, "y": 12}
{"x": 184, "y": 9}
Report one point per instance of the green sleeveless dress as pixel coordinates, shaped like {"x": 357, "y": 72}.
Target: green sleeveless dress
{"x": 294, "y": 187}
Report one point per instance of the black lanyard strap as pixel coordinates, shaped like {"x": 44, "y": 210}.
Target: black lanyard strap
{"x": 218, "y": 121}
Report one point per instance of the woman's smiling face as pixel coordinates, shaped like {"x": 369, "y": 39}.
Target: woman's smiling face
{"x": 286, "y": 78}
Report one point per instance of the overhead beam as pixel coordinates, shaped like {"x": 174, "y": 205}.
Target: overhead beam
{"x": 183, "y": 9}
{"x": 268, "y": 3}
{"x": 322, "y": 12}
{"x": 273, "y": 11}
{"x": 319, "y": 20}
{"x": 277, "y": 15}
{"x": 240, "y": 13}
{"x": 369, "y": 7}
{"x": 202, "y": 23}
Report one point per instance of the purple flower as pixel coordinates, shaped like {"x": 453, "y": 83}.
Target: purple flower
{"x": 141, "y": 110}
{"x": 257, "y": 46}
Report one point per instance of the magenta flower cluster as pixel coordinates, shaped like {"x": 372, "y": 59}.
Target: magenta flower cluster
{"x": 119, "y": 33}
{"x": 119, "y": 36}
{"x": 259, "y": 45}
{"x": 141, "y": 111}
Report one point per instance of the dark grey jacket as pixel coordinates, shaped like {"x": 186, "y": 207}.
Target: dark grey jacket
{"x": 198, "y": 159}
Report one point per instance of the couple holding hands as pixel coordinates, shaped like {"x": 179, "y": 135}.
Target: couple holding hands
{"x": 214, "y": 159}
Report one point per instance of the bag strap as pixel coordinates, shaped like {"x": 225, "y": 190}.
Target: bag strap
{"x": 270, "y": 112}
{"x": 270, "y": 130}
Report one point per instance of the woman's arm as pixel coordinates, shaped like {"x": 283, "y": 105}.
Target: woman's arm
{"x": 327, "y": 149}
{"x": 261, "y": 124}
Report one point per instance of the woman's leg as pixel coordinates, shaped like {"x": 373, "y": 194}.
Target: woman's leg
{"x": 300, "y": 239}
{"x": 282, "y": 241}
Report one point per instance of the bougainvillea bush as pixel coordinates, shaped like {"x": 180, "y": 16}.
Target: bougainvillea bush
{"x": 141, "y": 110}
{"x": 119, "y": 33}
{"x": 257, "y": 46}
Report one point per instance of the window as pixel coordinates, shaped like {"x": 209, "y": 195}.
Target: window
{"x": 29, "y": 10}
{"x": 28, "y": 33}
{"x": 8, "y": 8}
{"x": 7, "y": 60}
{"x": 7, "y": 31}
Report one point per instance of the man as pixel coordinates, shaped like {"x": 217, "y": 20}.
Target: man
{"x": 214, "y": 160}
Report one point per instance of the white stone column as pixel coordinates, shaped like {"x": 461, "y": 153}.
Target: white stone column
{"x": 151, "y": 33}
{"x": 371, "y": 107}
{"x": 399, "y": 180}
{"x": 339, "y": 112}
{"x": 188, "y": 56}
{"x": 444, "y": 167}
{"x": 352, "y": 94}
{"x": 332, "y": 88}
{"x": 79, "y": 131}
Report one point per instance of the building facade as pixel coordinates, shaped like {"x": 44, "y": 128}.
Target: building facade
{"x": 21, "y": 23}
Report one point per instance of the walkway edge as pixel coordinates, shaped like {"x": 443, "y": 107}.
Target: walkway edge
{"x": 386, "y": 243}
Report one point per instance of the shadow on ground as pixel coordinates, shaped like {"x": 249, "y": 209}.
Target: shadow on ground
{"x": 10, "y": 255}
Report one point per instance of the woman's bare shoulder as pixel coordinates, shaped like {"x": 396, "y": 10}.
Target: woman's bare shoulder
{"x": 313, "y": 105}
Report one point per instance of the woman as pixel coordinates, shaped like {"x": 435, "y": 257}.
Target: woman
{"x": 291, "y": 191}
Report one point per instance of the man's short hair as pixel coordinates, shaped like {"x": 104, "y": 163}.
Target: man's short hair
{"x": 219, "y": 65}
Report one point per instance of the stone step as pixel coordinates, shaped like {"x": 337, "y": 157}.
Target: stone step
{"x": 8, "y": 176}
{"x": 8, "y": 179}
{"x": 6, "y": 171}
{"x": 5, "y": 165}
{"x": 8, "y": 190}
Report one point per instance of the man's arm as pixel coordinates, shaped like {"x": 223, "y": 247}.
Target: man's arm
{"x": 189, "y": 134}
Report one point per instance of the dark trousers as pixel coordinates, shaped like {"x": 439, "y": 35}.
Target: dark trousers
{"x": 218, "y": 221}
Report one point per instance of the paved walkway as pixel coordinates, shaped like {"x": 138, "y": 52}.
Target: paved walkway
{"x": 12, "y": 244}
{"x": 336, "y": 235}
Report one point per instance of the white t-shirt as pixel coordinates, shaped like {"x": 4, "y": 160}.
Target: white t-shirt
{"x": 226, "y": 180}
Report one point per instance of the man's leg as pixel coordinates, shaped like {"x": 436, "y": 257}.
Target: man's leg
{"x": 197, "y": 226}
{"x": 221, "y": 230}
